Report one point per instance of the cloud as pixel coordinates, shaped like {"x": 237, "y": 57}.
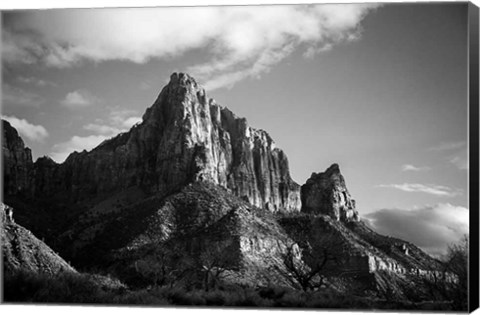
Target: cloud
{"x": 437, "y": 190}
{"x": 77, "y": 99}
{"x": 13, "y": 95}
{"x": 130, "y": 121}
{"x": 102, "y": 129}
{"x": 447, "y": 146}
{"x": 145, "y": 86}
{"x": 120, "y": 120}
{"x": 432, "y": 228}
{"x": 459, "y": 159}
{"x": 36, "y": 81}
{"x": 410, "y": 167}
{"x": 62, "y": 150}
{"x": 123, "y": 119}
{"x": 30, "y": 131}
{"x": 456, "y": 153}
{"x": 239, "y": 41}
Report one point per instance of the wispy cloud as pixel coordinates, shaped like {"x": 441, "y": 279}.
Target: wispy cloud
{"x": 432, "y": 228}
{"x": 447, "y": 146}
{"x": 102, "y": 129}
{"x": 240, "y": 41}
{"x": 144, "y": 85}
{"x": 123, "y": 119}
{"x": 36, "y": 81}
{"x": 28, "y": 130}
{"x": 437, "y": 190}
{"x": 78, "y": 99}
{"x": 455, "y": 153}
{"x": 412, "y": 168}
{"x": 12, "y": 95}
{"x": 460, "y": 160}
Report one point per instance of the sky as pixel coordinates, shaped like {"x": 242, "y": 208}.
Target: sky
{"x": 379, "y": 89}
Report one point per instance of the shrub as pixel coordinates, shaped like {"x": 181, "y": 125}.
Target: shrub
{"x": 272, "y": 293}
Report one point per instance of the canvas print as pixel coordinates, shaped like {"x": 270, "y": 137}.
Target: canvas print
{"x": 270, "y": 156}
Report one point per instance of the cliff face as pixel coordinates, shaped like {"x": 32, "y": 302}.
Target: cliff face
{"x": 17, "y": 161}
{"x": 326, "y": 193}
{"x": 184, "y": 137}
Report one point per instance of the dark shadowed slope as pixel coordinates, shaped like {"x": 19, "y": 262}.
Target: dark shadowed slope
{"x": 22, "y": 251}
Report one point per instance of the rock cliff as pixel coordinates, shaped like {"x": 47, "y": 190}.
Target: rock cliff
{"x": 326, "y": 193}
{"x": 17, "y": 161}
{"x": 184, "y": 137}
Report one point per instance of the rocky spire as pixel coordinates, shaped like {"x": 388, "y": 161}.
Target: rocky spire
{"x": 326, "y": 193}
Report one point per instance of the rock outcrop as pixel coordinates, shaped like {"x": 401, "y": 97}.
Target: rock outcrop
{"x": 184, "y": 137}
{"x": 17, "y": 162}
{"x": 326, "y": 193}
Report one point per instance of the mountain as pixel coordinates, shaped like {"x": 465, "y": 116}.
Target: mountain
{"x": 193, "y": 196}
{"x": 184, "y": 137}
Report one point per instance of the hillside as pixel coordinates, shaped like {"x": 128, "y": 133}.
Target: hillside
{"x": 22, "y": 251}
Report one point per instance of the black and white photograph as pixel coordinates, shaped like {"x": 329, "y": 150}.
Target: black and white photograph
{"x": 316, "y": 156}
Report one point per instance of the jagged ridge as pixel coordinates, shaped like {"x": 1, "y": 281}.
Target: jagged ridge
{"x": 184, "y": 137}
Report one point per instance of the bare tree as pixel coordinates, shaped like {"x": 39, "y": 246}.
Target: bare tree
{"x": 213, "y": 262}
{"x": 306, "y": 267}
{"x": 159, "y": 266}
{"x": 452, "y": 283}
{"x": 457, "y": 264}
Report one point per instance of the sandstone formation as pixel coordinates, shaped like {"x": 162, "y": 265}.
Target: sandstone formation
{"x": 326, "y": 193}
{"x": 184, "y": 137}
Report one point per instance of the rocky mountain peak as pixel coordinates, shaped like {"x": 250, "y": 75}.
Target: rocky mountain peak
{"x": 326, "y": 193}
{"x": 182, "y": 79}
{"x": 333, "y": 169}
{"x": 177, "y": 99}
{"x": 184, "y": 137}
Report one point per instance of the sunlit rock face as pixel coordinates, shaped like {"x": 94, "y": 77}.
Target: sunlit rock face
{"x": 209, "y": 142}
{"x": 184, "y": 137}
{"x": 326, "y": 193}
